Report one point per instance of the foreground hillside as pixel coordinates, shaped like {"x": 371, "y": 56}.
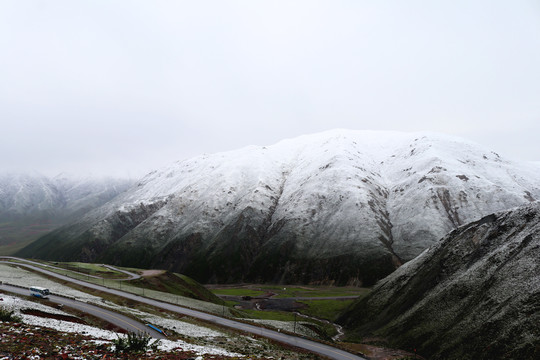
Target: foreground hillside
{"x": 52, "y": 344}
{"x": 342, "y": 207}
{"x": 474, "y": 295}
{"x": 32, "y": 204}
{"x": 39, "y": 330}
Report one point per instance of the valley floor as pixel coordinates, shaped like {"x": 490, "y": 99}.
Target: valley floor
{"x": 191, "y": 339}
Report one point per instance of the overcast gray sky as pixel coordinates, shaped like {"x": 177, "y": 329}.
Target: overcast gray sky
{"x": 124, "y": 87}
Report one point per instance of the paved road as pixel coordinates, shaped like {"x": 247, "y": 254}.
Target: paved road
{"x": 132, "y": 276}
{"x": 306, "y": 344}
{"x": 112, "y": 317}
{"x": 347, "y": 297}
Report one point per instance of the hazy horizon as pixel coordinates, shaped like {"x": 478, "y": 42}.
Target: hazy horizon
{"x": 125, "y": 87}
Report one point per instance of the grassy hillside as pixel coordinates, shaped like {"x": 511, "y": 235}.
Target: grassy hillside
{"x": 176, "y": 284}
{"x": 150, "y": 280}
{"x": 15, "y": 234}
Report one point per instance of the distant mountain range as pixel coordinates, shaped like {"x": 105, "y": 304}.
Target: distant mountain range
{"x": 32, "y": 204}
{"x": 339, "y": 207}
{"x": 473, "y": 295}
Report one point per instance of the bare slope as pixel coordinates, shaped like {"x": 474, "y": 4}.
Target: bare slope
{"x": 340, "y": 206}
{"x": 474, "y": 295}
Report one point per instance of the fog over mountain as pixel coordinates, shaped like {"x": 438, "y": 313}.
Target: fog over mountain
{"x": 335, "y": 207}
{"x": 32, "y": 204}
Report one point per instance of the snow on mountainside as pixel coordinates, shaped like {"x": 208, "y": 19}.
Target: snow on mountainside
{"x": 475, "y": 294}
{"x": 339, "y": 206}
{"x": 22, "y": 193}
{"x": 31, "y": 203}
{"x": 82, "y": 193}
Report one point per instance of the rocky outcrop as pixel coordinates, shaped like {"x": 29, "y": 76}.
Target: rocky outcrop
{"x": 473, "y": 295}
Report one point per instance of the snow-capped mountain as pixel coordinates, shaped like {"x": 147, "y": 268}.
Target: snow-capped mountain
{"x": 473, "y": 295}
{"x": 27, "y": 193}
{"x": 340, "y": 206}
{"x": 31, "y": 203}
{"x": 82, "y": 193}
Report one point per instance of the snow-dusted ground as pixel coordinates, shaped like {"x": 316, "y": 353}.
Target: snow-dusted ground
{"x": 18, "y": 276}
{"x": 193, "y": 332}
{"x": 25, "y": 278}
{"x": 21, "y": 277}
{"x": 16, "y": 303}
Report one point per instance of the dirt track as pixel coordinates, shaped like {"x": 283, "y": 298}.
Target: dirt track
{"x": 150, "y": 273}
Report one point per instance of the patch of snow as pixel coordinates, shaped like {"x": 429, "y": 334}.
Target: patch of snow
{"x": 183, "y": 327}
{"x": 21, "y": 277}
{"x": 17, "y": 304}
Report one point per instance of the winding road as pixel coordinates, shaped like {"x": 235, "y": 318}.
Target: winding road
{"x": 313, "y": 346}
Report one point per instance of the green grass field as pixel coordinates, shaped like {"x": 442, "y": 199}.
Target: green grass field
{"x": 16, "y": 234}
{"x": 325, "y": 309}
{"x": 238, "y": 292}
{"x": 328, "y": 307}
{"x": 168, "y": 286}
{"x": 284, "y": 291}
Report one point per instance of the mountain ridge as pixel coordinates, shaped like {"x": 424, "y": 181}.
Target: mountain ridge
{"x": 300, "y": 209}
{"x": 472, "y": 295}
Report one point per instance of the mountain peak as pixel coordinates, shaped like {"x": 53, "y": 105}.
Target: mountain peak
{"x": 340, "y": 206}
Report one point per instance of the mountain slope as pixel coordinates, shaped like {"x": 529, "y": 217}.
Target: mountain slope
{"x": 32, "y": 204}
{"x": 474, "y": 295}
{"x": 340, "y": 206}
